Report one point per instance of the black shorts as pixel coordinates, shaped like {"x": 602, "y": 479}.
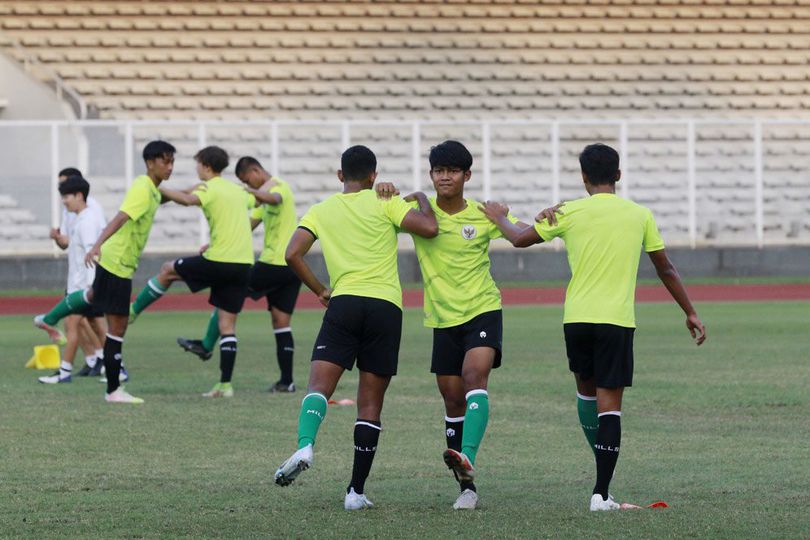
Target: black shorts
{"x": 451, "y": 344}
{"x": 362, "y": 328}
{"x": 604, "y": 351}
{"x": 91, "y": 312}
{"x": 111, "y": 294}
{"x": 228, "y": 281}
{"x": 278, "y": 284}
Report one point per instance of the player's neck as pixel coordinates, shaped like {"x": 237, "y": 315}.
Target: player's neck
{"x": 355, "y": 187}
{"x": 451, "y": 205}
{"x": 154, "y": 180}
{"x": 601, "y": 189}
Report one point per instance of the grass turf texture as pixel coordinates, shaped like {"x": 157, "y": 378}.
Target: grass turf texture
{"x": 719, "y": 432}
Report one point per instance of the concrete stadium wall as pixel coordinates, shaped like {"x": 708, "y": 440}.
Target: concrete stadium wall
{"x": 507, "y": 265}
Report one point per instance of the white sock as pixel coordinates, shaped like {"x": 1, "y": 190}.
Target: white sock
{"x": 65, "y": 368}
{"x": 91, "y": 361}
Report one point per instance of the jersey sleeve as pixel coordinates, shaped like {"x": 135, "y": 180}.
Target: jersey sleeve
{"x": 396, "y": 209}
{"x": 203, "y": 194}
{"x": 251, "y": 201}
{"x": 549, "y": 232}
{"x": 63, "y": 223}
{"x": 652, "y": 236}
{"x": 495, "y": 232}
{"x": 310, "y": 221}
{"x": 136, "y": 202}
{"x": 257, "y": 213}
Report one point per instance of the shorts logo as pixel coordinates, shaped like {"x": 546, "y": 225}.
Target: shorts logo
{"x": 483, "y": 334}
{"x": 179, "y": 261}
{"x": 320, "y": 347}
{"x": 469, "y": 232}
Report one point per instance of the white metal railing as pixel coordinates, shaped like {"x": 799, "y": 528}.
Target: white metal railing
{"x": 416, "y": 129}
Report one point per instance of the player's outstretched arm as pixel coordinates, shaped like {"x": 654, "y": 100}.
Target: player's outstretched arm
{"x": 672, "y": 281}
{"x": 112, "y": 227}
{"x": 299, "y": 245}
{"x": 180, "y": 197}
{"x": 519, "y": 234}
{"x": 420, "y": 222}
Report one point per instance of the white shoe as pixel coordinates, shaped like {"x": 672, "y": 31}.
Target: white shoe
{"x": 121, "y": 396}
{"x": 300, "y": 461}
{"x": 356, "y": 501}
{"x": 56, "y": 378}
{"x": 54, "y": 333}
{"x": 598, "y": 503}
{"x": 468, "y": 500}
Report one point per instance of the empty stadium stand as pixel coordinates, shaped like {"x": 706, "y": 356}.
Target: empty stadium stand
{"x": 459, "y": 61}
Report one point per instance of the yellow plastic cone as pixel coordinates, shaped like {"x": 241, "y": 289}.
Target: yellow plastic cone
{"x": 45, "y": 357}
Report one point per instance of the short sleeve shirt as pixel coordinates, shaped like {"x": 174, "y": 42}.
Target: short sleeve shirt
{"x": 279, "y": 222}
{"x": 455, "y": 267}
{"x": 604, "y": 235}
{"x": 226, "y": 206}
{"x": 122, "y": 251}
{"x": 358, "y": 236}
{"x": 85, "y": 229}
{"x": 69, "y": 217}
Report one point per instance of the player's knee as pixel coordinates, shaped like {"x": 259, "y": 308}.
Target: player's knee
{"x": 167, "y": 270}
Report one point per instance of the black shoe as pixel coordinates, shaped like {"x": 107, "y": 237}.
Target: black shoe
{"x": 194, "y": 346}
{"x": 86, "y": 371}
{"x": 98, "y": 369}
{"x": 282, "y": 388}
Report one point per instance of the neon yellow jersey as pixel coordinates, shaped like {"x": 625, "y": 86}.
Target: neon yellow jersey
{"x": 455, "y": 267}
{"x": 358, "y": 235}
{"x": 279, "y": 224}
{"x": 604, "y": 235}
{"x": 122, "y": 251}
{"x": 224, "y": 205}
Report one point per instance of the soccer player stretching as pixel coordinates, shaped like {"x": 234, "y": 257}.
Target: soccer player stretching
{"x": 118, "y": 251}
{"x": 224, "y": 266}
{"x": 603, "y": 235}
{"x": 270, "y": 276}
{"x": 363, "y": 320}
{"x": 463, "y": 306}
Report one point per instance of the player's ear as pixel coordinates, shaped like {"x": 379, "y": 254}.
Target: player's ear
{"x": 373, "y": 177}
{"x": 618, "y": 175}
{"x": 340, "y": 175}
{"x": 467, "y": 175}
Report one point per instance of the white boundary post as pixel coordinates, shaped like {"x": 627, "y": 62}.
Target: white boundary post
{"x": 345, "y": 135}
{"x": 624, "y": 188}
{"x": 416, "y": 138}
{"x": 759, "y": 185}
{"x": 201, "y": 142}
{"x": 54, "y": 183}
{"x": 274, "y": 150}
{"x": 486, "y": 150}
{"x": 129, "y": 163}
{"x": 691, "y": 182}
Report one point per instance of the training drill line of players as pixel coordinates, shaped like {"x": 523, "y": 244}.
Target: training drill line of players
{"x": 357, "y": 230}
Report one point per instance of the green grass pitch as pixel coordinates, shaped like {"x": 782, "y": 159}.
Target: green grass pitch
{"x": 720, "y": 433}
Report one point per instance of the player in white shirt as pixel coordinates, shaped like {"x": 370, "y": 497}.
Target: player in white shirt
{"x": 83, "y": 229}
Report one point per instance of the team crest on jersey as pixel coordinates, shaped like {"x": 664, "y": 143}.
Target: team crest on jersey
{"x": 469, "y": 232}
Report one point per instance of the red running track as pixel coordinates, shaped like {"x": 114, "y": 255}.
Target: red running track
{"x": 413, "y": 297}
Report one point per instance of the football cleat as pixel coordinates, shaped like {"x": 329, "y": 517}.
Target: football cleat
{"x": 460, "y": 465}
{"x": 599, "y": 504}
{"x": 194, "y": 346}
{"x": 356, "y": 501}
{"x": 468, "y": 500}
{"x": 54, "y": 333}
{"x": 121, "y": 396}
{"x": 56, "y": 378}
{"x": 220, "y": 390}
{"x": 300, "y": 461}
{"x": 282, "y": 388}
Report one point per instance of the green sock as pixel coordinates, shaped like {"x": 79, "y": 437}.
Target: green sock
{"x": 475, "y": 422}
{"x": 313, "y": 411}
{"x": 70, "y": 304}
{"x": 212, "y": 332}
{"x": 148, "y": 295}
{"x": 588, "y": 418}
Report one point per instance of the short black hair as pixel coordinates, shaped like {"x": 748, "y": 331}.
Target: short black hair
{"x": 67, "y": 172}
{"x": 214, "y": 157}
{"x": 358, "y": 163}
{"x": 600, "y": 163}
{"x": 158, "y": 149}
{"x": 75, "y": 184}
{"x": 246, "y": 163}
{"x": 450, "y": 154}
